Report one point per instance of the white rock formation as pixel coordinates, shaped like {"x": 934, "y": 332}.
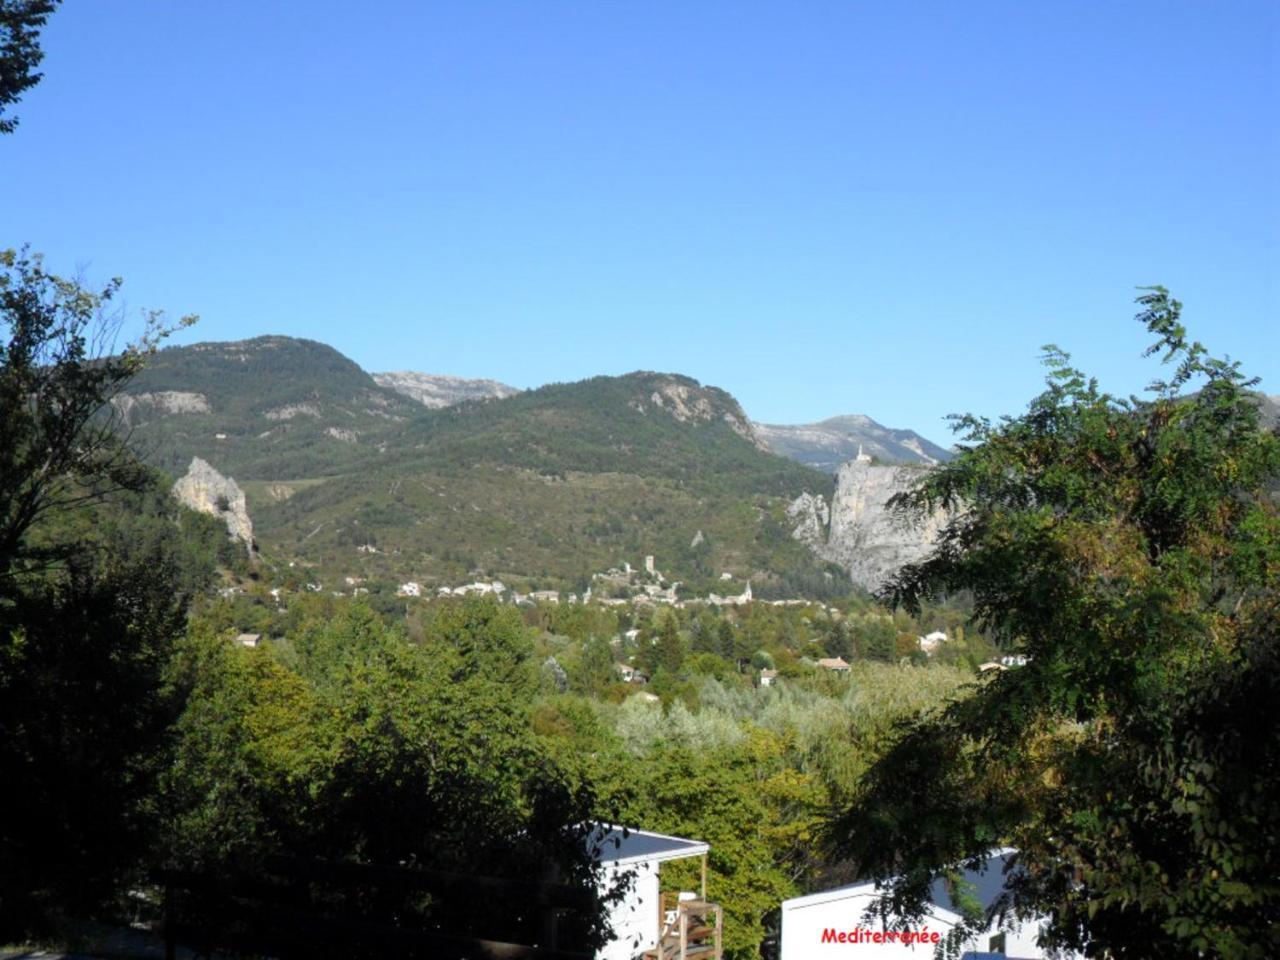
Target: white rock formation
{"x": 291, "y": 410}
{"x": 206, "y": 490}
{"x": 863, "y": 536}
{"x": 688, "y": 404}
{"x": 134, "y": 407}
{"x": 810, "y": 515}
{"x": 436, "y": 390}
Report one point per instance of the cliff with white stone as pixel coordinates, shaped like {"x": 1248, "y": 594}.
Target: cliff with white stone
{"x": 205, "y": 490}
{"x": 857, "y": 530}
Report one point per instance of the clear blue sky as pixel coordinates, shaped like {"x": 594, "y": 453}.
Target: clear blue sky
{"x": 825, "y": 208}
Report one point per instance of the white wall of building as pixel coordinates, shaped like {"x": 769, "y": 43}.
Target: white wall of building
{"x": 634, "y": 920}
{"x": 807, "y": 920}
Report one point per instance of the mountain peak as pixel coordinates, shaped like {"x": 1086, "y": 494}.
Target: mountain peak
{"x": 688, "y": 401}
{"x": 827, "y": 444}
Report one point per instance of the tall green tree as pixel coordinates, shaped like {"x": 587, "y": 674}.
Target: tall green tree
{"x": 1131, "y": 548}
{"x": 372, "y": 751}
{"x": 20, "y": 24}
{"x": 59, "y": 448}
{"x": 670, "y": 648}
{"x": 595, "y": 672}
{"x": 94, "y": 583}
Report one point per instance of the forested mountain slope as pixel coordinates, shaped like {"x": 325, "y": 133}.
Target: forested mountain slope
{"x": 352, "y": 479}
{"x": 267, "y": 408}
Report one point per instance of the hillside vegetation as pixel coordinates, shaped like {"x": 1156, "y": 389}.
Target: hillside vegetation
{"x": 548, "y": 485}
{"x": 269, "y": 408}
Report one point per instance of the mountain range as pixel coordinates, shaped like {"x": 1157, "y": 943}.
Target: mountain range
{"x": 384, "y": 477}
{"x": 346, "y": 476}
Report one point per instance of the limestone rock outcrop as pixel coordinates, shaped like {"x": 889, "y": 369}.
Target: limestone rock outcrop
{"x": 811, "y": 515}
{"x": 136, "y": 407}
{"x": 690, "y": 403}
{"x": 435, "y": 391}
{"x": 205, "y": 490}
{"x": 858, "y": 531}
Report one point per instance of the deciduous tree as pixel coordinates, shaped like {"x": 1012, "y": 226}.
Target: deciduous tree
{"x": 20, "y": 53}
{"x": 1131, "y": 548}
{"x": 58, "y": 373}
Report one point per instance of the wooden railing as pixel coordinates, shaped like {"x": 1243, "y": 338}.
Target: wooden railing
{"x": 691, "y": 929}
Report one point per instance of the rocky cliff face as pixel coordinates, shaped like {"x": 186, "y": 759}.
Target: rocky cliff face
{"x": 436, "y": 390}
{"x": 858, "y": 531}
{"x": 1271, "y": 410}
{"x": 206, "y": 490}
{"x": 811, "y": 517}
{"x": 688, "y": 402}
{"x": 135, "y": 408}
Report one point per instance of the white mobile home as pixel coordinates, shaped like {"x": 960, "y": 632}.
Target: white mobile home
{"x": 650, "y": 921}
{"x": 834, "y": 923}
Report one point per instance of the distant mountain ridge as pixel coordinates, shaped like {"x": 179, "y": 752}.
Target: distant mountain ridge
{"x": 434, "y": 390}
{"x": 829, "y": 443}
{"x": 345, "y": 477}
{"x": 268, "y": 407}
{"x": 557, "y": 483}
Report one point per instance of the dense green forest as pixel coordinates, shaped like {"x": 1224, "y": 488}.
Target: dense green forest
{"x": 701, "y": 750}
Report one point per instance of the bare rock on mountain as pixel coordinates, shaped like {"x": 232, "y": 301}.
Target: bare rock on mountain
{"x": 691, "y": 403}
{"x": 436, "y": 390}
{"x": 205, "y": 490}
{"x": 810, "y": 515}
{"x": 137, "y": 407}
{"x": 863, "y": 535}
{"x": 1271, "y": 410}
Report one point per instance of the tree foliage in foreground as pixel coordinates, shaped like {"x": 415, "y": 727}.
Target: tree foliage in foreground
{"x": 366, "y": 748}
{"x": 92, "y": 593}
{"x": 58, "y": 449}
{"x": 1131, "y": 548}
{"x": 20, "y": 53}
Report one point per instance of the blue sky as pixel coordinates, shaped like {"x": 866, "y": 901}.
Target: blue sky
{"x": 883, "y": 208}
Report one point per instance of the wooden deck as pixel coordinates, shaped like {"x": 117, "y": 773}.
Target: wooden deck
{"x": 690, "y": 930}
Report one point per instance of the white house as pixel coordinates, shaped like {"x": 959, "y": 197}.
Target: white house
{"x": 410, "y": 589}
{"x": 741, "y": 599}
{"x": 834, "y": 923}
{"x": 641, "y": 919}
{"x": 930, "y": 642}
